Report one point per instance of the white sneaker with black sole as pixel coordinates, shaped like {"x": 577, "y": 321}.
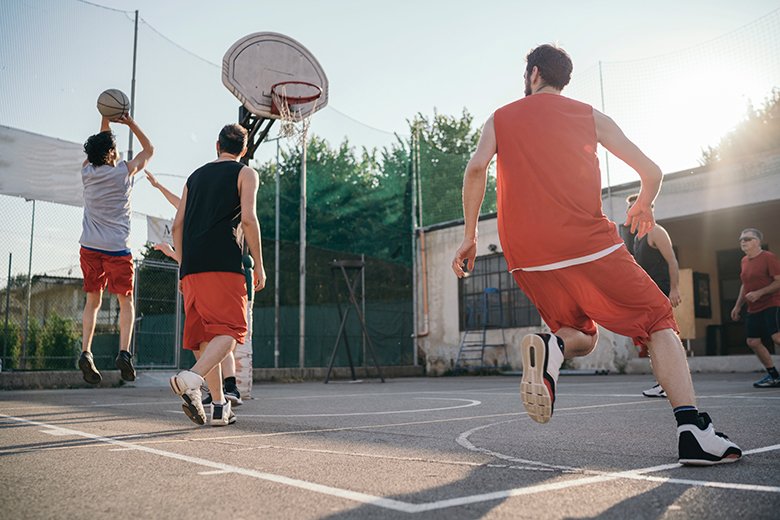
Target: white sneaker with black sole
{"x": 700, "y": 445}
{"x": 187, "y": 385}
{"x": 222, "y": 414}
{"x": 656, "y": 391}
{"x": 542, "y": 360}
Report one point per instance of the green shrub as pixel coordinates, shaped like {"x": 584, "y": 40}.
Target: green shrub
{"x": 10, "y": 346}
{"x": 58, "y": 345}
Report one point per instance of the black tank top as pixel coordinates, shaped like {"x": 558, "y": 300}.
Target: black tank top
{"x": 212, "y": 216}
{"x": 653, "y": 262}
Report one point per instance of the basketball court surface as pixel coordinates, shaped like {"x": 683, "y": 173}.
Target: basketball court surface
{"x": 427, "y": 448}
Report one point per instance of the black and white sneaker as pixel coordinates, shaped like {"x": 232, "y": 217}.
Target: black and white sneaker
{"x": 767, "y": 382}
{"x": 204, "y": 390}
{"x": 656, "y": 391}
{"x": 233, "y": 395}
{"x": 187, "y": 384}
{"x": 222, "y": 414}
{"x": 700, "y": 445}
{"x": 88, "y": 370}
{"x": 542, "y": 360}
{"x": 124, "y": 363}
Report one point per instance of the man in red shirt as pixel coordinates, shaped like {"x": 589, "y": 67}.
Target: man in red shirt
{"x": 761, "y": 290}
{"x": 566, "y": 255}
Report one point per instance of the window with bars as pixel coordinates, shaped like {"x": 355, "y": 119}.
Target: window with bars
{"x": 489, "y": 297}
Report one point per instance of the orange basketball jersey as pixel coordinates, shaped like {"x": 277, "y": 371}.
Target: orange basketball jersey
{"x": 549, "y": 183}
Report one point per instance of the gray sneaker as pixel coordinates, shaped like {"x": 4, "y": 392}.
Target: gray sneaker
{"x": 186, "y": 384}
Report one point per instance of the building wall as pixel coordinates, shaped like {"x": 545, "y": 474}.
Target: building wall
{"x": 703, "y": 210}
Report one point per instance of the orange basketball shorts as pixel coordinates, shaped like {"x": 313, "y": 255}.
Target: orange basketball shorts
{"x": 214, "y": 305}
{"x": 101, "y": 270}
{"x": 612, "y": 291}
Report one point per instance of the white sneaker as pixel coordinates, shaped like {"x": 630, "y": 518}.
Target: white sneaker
{"x": 656, "y": 391}
{"x": 542, "y": 360}
{"x": 222, "y": 414}
{"x": 187, "y": 384}
{"x": 701, "y": 445}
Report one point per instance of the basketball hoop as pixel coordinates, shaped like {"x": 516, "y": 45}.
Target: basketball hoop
{"x": 290, "y": 100}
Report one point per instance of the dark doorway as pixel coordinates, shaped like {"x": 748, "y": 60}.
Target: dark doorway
{"x": 732, "y": 332}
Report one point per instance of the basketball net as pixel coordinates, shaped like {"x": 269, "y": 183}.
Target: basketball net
{"x": 293, "y": 124}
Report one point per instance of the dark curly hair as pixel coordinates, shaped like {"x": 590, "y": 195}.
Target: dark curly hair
{"x": 99, "y": 146}
{"x": 554, "y": 65}
{"x": 232, "y": 139}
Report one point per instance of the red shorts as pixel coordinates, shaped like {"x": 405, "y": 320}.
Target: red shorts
{"x": 214, "y": 305}
{"x": 101, "y": 270}
{"x": 612, "y": 291}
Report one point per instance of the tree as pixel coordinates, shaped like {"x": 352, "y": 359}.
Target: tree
{"x": 758, "y": 132}
{"x": 446, "y": 144}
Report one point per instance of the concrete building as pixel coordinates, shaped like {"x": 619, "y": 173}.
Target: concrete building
{"x": 703, "y": 209}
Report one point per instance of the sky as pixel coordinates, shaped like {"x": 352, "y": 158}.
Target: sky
{"x": 676, "y": 75}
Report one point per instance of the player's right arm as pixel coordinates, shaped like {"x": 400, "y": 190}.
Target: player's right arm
{"x": 169, "y": 196}
{"x": 608, "y": 133}
{"x": 140, "y": 161}
{"x": 247, "y": 190}
{"x": 739, "y": 303}
{"x": 474, "y": 184}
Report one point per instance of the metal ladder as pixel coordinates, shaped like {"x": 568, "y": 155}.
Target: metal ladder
{"x": 473, "y": 342}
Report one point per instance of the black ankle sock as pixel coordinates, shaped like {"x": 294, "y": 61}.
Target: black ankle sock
{"x": 686, "y": 415}
{"x": 229, "y": 382}
{"x": 773, "y": 372}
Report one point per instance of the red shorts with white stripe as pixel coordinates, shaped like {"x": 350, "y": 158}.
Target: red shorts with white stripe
{"x": 612, "y": 291}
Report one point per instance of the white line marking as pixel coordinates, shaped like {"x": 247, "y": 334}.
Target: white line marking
{"x": 56, "y": 433}
{"x": 215, "y": 472}
{"x": 598, "y": 476}
{"x": 405, "y": 507}
{"x": 470, "y": 403}
{"x": 302, "y": 484}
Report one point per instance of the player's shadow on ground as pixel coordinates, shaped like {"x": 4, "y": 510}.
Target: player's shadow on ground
{"x": 80, "y": 442}
{"x": 650, "y": 505}
{"x": 474, "y": 483}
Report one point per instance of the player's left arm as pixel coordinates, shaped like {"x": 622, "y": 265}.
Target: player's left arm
{"x": 659, "y": 238}
{"x": 474, "y": 184}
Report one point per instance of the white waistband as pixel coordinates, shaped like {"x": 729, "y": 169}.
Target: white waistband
{"x": 572, "y": 261}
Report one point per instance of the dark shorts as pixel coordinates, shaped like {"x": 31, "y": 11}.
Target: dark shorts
{"x": 214, "y": 305}
{"x": 763, "y": 324}
{"x": 101, "y": 270}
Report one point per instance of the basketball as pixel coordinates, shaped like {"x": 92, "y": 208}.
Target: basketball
{"x": 113, "y": 103}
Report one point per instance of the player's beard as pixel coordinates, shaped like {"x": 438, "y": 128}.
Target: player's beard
{"x": 527, "y": 86}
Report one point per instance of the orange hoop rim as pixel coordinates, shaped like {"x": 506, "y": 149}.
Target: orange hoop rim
{"x": 292, "y": 100}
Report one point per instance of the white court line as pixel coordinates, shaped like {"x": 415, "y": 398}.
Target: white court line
{"x": 470, "y": 403}
{"x": 405, "y": 507}
{"x": 302, "y": 484}
{"x": 215, "y": 472}
{"x": 56, "y": 433}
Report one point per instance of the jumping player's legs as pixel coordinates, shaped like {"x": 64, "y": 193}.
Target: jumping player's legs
{"x": 91, "y": 308}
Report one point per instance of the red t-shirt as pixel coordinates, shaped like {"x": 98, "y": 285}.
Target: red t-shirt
{"x": 549, "y": 183}
{"x": 757, "y": 273}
